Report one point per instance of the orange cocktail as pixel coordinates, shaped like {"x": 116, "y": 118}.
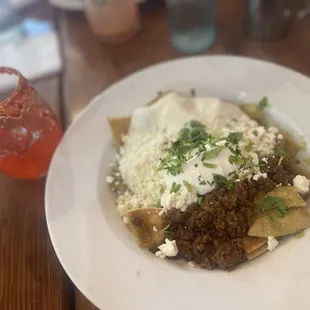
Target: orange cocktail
{"x": 29, "y": 131}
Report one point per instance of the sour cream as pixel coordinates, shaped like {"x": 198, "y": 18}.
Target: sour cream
{"x": 199, "y": 176}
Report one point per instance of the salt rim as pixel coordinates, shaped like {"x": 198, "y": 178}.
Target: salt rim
{"x": 20, "y": 98}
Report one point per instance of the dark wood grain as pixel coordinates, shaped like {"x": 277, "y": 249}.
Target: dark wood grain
{"x": 30, "y": 275}
{"x": 91, "y": 66}
{"x": 82, "y": 303}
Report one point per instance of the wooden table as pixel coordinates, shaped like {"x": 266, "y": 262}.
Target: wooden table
{"x": 30, "y": 275}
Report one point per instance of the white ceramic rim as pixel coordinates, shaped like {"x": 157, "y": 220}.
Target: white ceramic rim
{"x": 295, "y": 83}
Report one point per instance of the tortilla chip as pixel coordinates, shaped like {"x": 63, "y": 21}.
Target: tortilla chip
{"x": 262, "y": 249}
{"x": 142, "y": 222}
{"x": 120, "y": 126}
{"x": 290, "y": 196}
{"x": 272, "y": 225}
{"x": 251, "y": 244}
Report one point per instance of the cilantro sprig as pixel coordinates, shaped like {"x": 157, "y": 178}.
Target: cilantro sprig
{"x": 232, "y": 142}
{"x": 222, "y": 182}
{"x": 175, "y": 187}
{"x": 235, "y": 137}
{"x": 276, "y": 204}
{"x": 236, "y": 159}
{"x": 191, "y": 141}
{"x": 263, "y": 103}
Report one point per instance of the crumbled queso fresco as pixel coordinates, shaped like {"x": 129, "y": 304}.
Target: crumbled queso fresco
{"x": 168, "y": 249}
{"x": 272, "y": 243}
{"x": 173, "y": 167}
{"x": 301, "y": 183}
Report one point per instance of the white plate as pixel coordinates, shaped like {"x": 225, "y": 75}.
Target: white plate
{"x": 72, "y": 5}
{"x": 100, "y": 255}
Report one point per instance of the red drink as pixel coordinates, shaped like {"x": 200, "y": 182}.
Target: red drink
{"x": 29, "y": 132}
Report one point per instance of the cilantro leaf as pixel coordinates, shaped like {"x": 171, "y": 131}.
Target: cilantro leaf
{"x": 192, "y": 138}
{"x": 235, "y": 137}
{"x": 196, "y": 124}
{"x": 274, "y": 203}
{"x": 208, "y": 165}
{"x": 188, "y": 186}
{"x": 200, "y": 199}
{"x": 235, "y": 159}
{"x": 175, "y": 187}
{"x": 211, "y": 154}
{"x": 222, "y": 182}
{"x": 263, "y": 103}
{"x": 201, "y": 180}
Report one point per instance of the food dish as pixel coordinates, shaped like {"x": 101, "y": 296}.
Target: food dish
{"x": 206, "y": 180}
{"x": 92, "y": 243}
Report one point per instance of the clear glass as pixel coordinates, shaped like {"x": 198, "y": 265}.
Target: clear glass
{"x": 29, "y": 130}
{"x": 191, "y": 25}
{"x": 268, "y": 19}
{"x": 113, "y": 20}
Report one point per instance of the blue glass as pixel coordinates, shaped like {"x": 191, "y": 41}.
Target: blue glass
{"x": 191, "y": 25}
